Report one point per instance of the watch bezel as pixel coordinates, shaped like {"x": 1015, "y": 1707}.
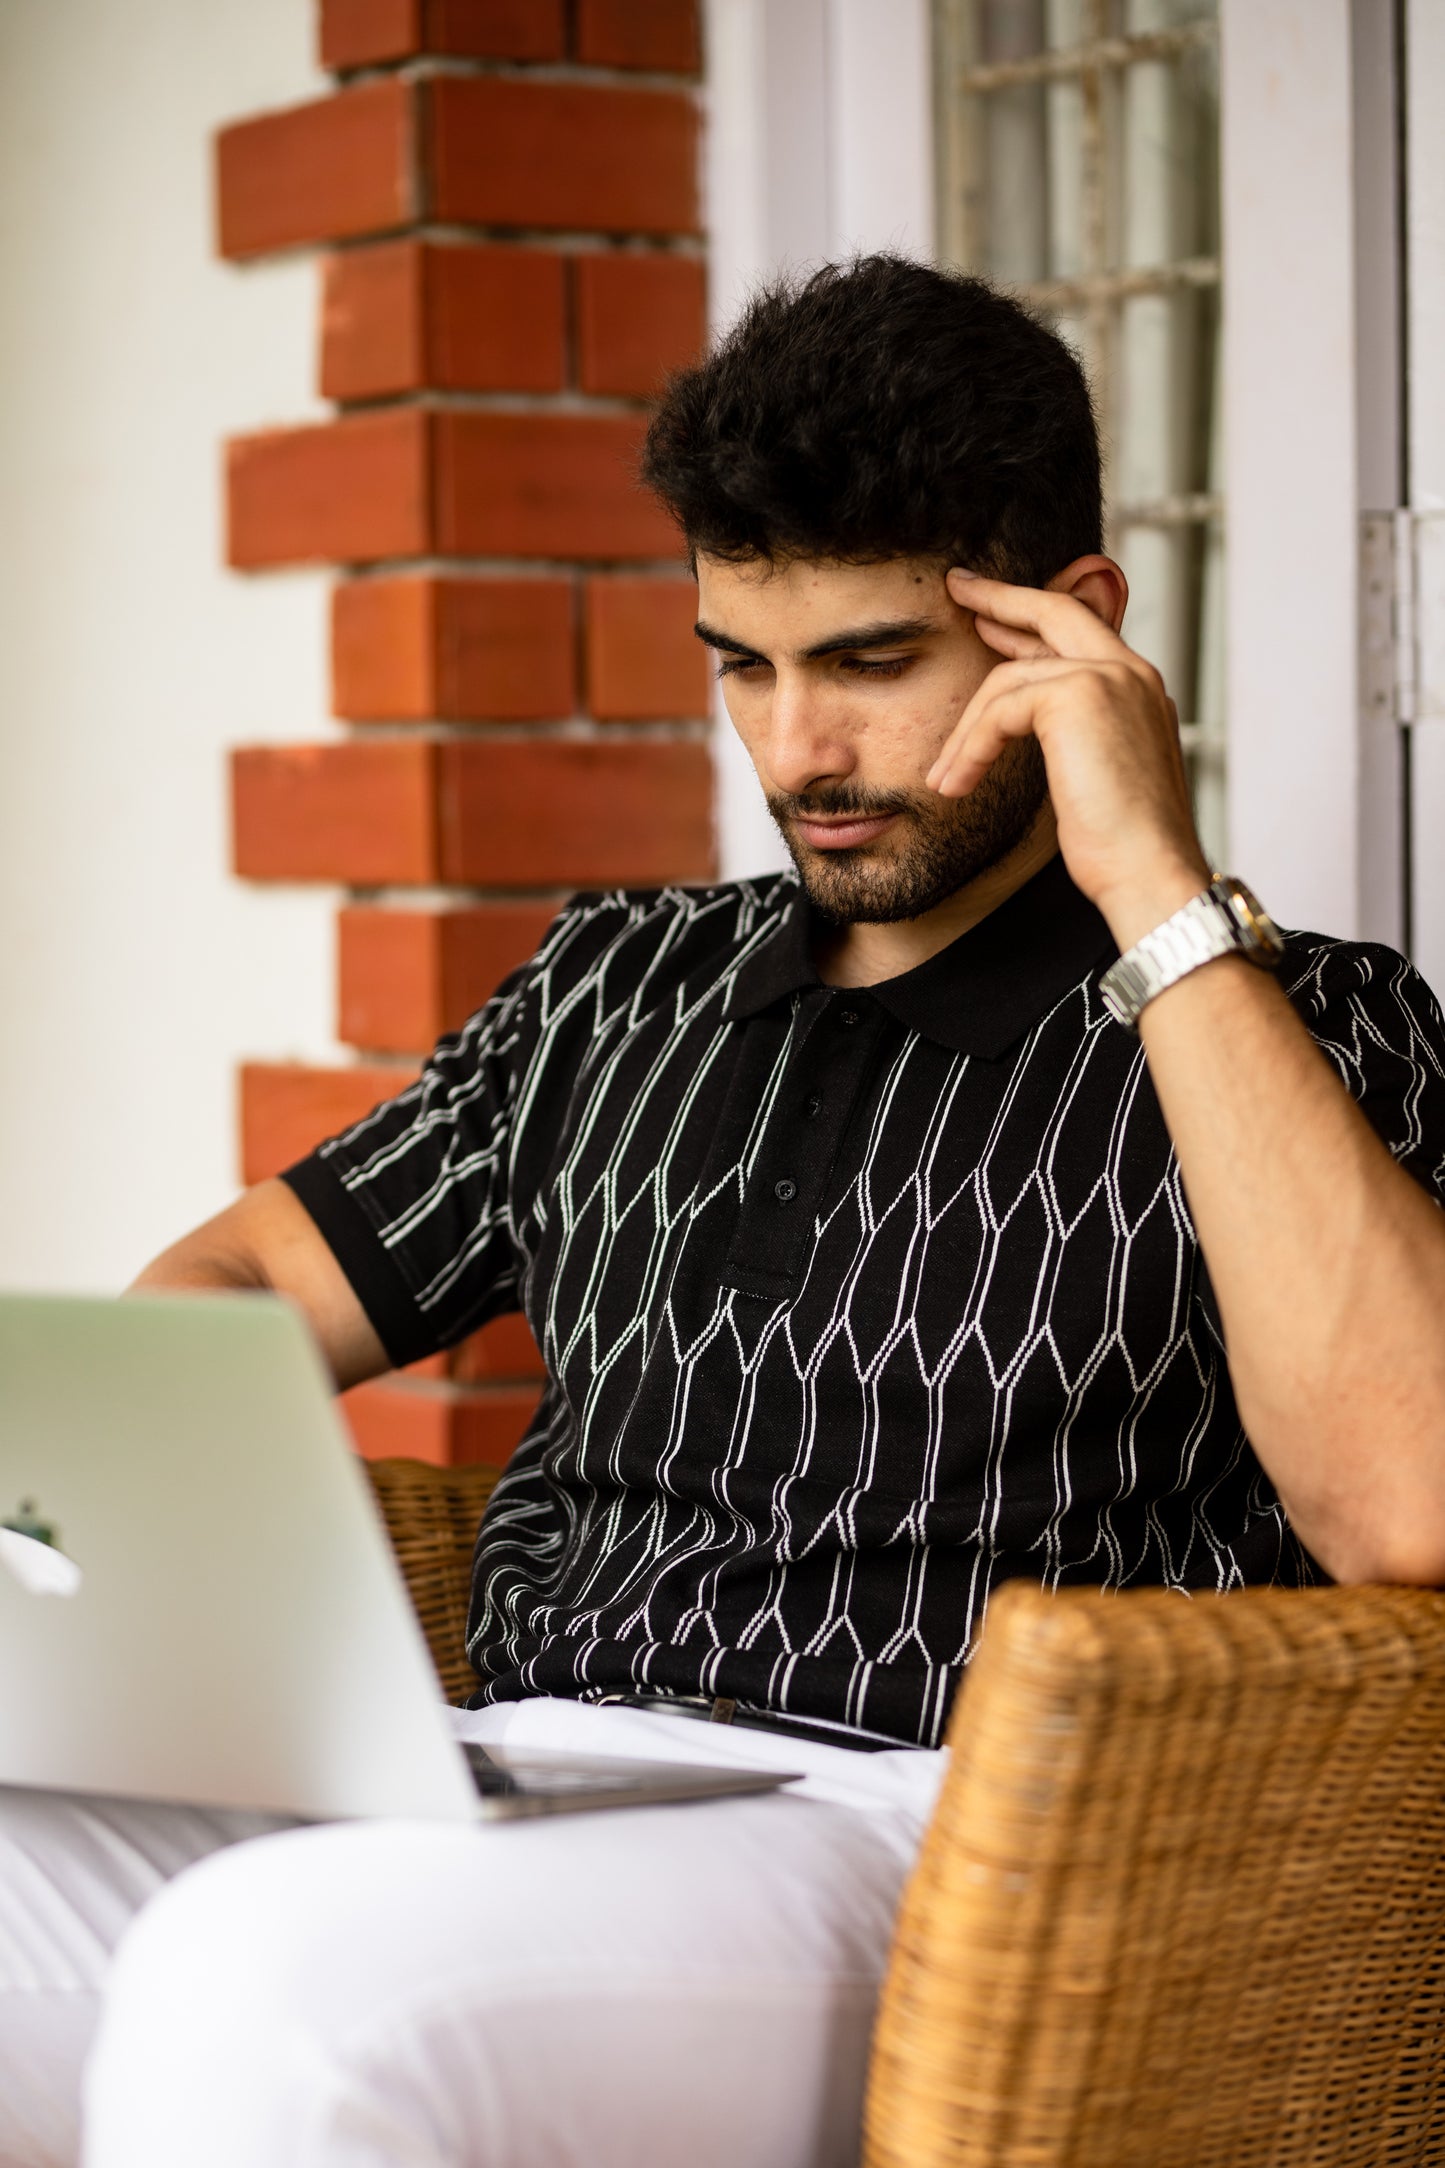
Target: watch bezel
{"x": 1260, "y": 938}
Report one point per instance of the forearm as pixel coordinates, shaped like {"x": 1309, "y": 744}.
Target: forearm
{"x": 1328, "y": 1262}
{"x": 267, "y": 1241}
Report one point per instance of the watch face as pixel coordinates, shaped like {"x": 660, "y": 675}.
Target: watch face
{"x": 1255, "y": 924}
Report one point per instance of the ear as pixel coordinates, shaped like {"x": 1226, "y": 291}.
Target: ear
{"x": 1099, "y": 584}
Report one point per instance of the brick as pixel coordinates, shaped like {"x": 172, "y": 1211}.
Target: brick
{"x": 339, "y": 166}
{"x": 562, "y": 155}
{"x": 496, "y": 319}
{"x": 644, "y": 662}
{"x": 450, "y": 1426}
{"x": 350, "y": 490}
{"x": 288, "y": 1108}
{"x": 368, "y": 33}
{"x": 662, "y": 34}
{"x": 409, "y": 481}
{"x": 637, "y": 318}
{"x": 406, "y": 977}
{"x": 503, "y": 1349}
{"x": 544, "y": 485}
{"x": 562, "y": 813}
{"x": 389, "y": 979}
{"x": 383, "y": 650}
{"x": 414, "y": 650}
{"x": 365, "y": 33}
{"x": 363, "y": 812}
{"x": 373, "y": 322}
{"x": 556, "y": 813}
{"x": 473, "y": 150}
{"x": 408, "y": 316}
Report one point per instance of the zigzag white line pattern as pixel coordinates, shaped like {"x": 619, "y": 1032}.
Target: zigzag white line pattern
{"x": 787, "y": 1458}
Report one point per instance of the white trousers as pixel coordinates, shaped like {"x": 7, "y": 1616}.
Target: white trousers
{"x": 657, "y": 1987}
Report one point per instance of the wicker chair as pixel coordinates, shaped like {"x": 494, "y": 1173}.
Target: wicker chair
{"x": 1183, "y": 1898}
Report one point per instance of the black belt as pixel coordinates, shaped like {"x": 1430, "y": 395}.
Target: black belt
{"x": 710, "y": 1709}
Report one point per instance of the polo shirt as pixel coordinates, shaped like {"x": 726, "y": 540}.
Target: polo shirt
{"x": 854, "y": 1303}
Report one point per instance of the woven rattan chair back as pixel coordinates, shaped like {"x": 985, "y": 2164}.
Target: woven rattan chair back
{"x": 1183, "y": 1900}
{"x": 432, "y": 1516}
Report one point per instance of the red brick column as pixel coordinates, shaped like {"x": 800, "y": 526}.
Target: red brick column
{"x": 508, "y": 193}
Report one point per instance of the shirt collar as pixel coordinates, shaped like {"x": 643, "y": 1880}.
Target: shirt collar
{"x": 978, "y": 995}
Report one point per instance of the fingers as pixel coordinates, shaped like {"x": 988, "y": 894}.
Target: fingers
{"x": 1067, "y": 626}
{"x": 1008, "y": 640}
{"x": 1004, "y": 706}
{"x": 970, "y": 753}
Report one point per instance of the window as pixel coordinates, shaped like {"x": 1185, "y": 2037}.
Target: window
{"x": 1079, "y": 144}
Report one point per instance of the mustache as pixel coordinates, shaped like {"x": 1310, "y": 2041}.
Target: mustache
{"x": 839, "y": 798}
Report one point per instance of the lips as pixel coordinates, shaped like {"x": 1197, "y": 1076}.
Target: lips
{"x": 846, "y": 834}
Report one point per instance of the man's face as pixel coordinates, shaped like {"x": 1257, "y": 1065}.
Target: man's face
{"x": 843, "y": 681}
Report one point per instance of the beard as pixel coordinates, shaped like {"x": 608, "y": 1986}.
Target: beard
{"x": 941, "y": 844}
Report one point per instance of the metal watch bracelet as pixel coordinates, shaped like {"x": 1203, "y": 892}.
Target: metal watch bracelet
{"x": 1225, "y": 919}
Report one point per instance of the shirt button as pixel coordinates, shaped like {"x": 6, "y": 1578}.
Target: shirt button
{"x": 812, "y": 1106}
{"x": 785, "y": 1191}
{"x": 847, "y": 1016}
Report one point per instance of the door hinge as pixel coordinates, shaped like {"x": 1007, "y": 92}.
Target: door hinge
{"x": 1402, "y": 616}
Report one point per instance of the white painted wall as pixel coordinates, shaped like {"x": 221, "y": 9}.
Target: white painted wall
{"x": 133, "y": 971}
{"x": 1425, "y": 48}
{"x": 820, "y": 142}
{"x": 1290, "y": 471}
{"x": 1313, "y": 421}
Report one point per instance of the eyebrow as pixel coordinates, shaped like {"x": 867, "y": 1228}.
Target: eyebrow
{"x": 883, "y": 632}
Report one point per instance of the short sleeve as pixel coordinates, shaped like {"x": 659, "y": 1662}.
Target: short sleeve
{"x": 1377, "y": 1022}
{"x": 414, "y": 1199}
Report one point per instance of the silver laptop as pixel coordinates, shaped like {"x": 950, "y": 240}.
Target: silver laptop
{"x": 198, "y": 1600}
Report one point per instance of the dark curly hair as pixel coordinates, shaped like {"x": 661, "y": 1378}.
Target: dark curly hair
{"x": 882, "y": 408}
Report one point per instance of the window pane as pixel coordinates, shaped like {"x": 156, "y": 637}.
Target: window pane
{"x": 1080, "y": 167}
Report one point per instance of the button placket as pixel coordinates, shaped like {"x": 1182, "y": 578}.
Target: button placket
{"x": 828, "y": 1069}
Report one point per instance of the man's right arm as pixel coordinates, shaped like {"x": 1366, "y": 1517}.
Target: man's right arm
{"x": 267, "y": 1241}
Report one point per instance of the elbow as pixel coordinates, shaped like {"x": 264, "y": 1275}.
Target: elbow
{"x": 1363, "y": 1489}
{"x": 1404, "y": 1555}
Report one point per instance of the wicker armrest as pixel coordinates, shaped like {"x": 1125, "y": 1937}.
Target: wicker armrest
{"x": 1183, "y": 1898}
{"x": 432, "y": 1516}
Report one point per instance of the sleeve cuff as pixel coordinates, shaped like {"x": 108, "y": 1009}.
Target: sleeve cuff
{"x": 375, "y": 1279}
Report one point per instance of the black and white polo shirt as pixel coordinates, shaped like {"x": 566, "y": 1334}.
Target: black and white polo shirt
{"x": 854, "y": 1304}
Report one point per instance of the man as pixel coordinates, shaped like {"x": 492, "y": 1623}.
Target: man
{"x": 874, "y": 1260}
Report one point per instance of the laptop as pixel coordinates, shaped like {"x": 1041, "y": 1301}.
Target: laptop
{"x": 198, "y": 1599}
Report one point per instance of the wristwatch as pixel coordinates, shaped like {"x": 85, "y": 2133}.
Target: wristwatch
{"x": 1228, "y": 919}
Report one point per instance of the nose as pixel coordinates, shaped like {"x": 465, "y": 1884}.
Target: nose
{"x": 803, "y": 743}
